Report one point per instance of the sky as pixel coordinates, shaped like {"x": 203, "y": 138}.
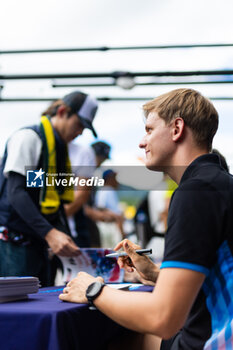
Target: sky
{"x": 73, "y": 23}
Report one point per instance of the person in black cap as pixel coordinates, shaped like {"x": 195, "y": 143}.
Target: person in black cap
{"x": 102, "y": 151}
{"x": 106, "y": 199}
{"x": 31, "y": 213}
{"x": 79, "y": 103}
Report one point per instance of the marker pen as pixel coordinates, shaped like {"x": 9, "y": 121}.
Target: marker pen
{"x": 138, "y": 251}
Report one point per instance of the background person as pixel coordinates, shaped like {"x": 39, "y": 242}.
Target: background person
{"x": 32, "y": 218}
{"x": 93, "y": 215}
{"x": 107, "y": 199}
{"x": 154, "y": 208}
{"x": 195, "y": 279}
{"x": 80, "y": 212}
{"x": 83, "y": 166}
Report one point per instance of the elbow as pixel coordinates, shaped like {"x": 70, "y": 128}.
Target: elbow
{"x": 168, "y": 334}
{"x": 166, "y": 327}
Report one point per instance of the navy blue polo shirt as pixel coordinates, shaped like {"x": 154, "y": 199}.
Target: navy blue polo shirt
{"x": 200, "y": 238}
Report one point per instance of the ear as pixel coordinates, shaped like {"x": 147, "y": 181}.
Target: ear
{"x": 61, "y": 110}
{"x": 177, "y": 129}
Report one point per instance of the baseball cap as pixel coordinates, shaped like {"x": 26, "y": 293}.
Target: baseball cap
{"x": 84, "y": 106}
{"x": 108, "y": 173}
{"x": 101, "y": 149}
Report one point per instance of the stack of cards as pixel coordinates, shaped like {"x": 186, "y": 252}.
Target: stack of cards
{"x": 17, "y": 288}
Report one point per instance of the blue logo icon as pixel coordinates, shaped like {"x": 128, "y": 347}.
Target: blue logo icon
{"x": 35, "y": 178}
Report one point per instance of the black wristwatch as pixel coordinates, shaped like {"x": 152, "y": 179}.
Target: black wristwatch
{"x": 93, "y": 291}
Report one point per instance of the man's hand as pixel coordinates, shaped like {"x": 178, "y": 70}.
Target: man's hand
{"x": 61, "y": 243}
{"x": 75, "y": 291}
{"x": 146, "y": 269}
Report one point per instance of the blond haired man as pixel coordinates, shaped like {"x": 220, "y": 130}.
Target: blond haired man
{"x": 190, "y": 306}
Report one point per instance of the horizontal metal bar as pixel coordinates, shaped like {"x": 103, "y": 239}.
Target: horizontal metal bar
{"x": 188, "y": 82}
{"x": 27, "y": 99}
{"x": 146, "y": 84}
{"x": 115, "y": 74}
{"x": 103, "y": 99}
{"x": 107, "y": 48}
{"x": 83, "y": 85}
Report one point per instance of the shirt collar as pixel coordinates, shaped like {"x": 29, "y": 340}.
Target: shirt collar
{"x": 205, "y": 159}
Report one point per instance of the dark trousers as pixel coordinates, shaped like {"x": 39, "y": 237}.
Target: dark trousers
{"x": 27, "y": 260}
{"x": 32, "y": 259}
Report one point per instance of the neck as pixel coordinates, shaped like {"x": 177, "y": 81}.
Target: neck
{"x": 182, "y": 160}
{"x": 56, "y": 125}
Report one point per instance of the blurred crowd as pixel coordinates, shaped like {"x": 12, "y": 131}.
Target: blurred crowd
{"x": 33, "y": 219}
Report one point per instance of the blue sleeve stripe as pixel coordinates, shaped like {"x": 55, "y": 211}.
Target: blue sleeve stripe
{"x": 185, "y": 265}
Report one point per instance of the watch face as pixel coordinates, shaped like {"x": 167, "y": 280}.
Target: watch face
{"x": 94, "y": 289}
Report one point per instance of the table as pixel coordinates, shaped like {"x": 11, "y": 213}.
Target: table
{"x": 43, "y": 322}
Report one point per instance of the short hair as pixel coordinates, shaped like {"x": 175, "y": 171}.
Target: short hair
{"x": 198, "y": 113}
{"x": 51, "y": 111}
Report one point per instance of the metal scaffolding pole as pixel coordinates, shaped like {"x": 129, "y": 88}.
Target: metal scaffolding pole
{"x": 116, "y": 48}
{"x": 115, "y": 75}
{"x": 103, "y": 99}
{"x": 145, "y": 84}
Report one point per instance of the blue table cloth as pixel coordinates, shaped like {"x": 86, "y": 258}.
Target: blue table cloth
{"x": 43, "y": 322}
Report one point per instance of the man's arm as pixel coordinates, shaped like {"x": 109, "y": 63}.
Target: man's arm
{"x": 23, "y": 204}
{"x": 104, "y": 215}
{"x": 59, "y": 242}
{"x": 81, "y": 196}
{"x": 162, "y": 312}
